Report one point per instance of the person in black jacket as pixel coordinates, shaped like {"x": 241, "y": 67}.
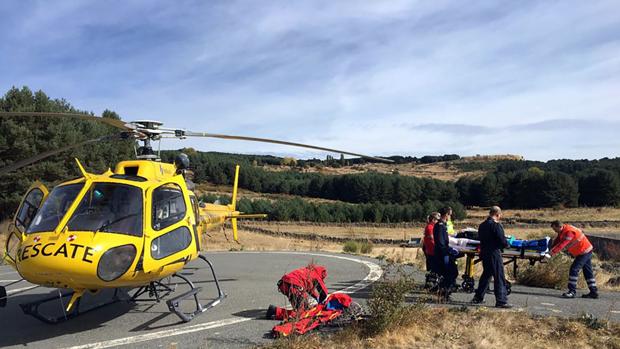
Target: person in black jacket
{"x": 444, "y": 262}
{"x": 492, "y": 241}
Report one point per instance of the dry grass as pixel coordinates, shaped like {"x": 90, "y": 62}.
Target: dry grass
{"x": 581, "y": 214}
{"x": 248, "y": 241}
{"x": 349, "y": 232}
{"x": 360, "y": 232}
{"x": 462, "y": 328}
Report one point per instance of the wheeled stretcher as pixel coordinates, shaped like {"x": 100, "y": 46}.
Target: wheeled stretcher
{"x": 469, "y": 247}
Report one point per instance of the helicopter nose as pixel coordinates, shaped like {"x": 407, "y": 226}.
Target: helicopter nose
{"x": 50, "y": 260}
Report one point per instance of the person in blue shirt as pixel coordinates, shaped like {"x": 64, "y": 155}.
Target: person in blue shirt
{"x": 492, "y": 242}
{"x": 444, "y": 255}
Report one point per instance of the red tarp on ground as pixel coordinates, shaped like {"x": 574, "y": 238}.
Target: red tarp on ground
{"x": 310, "y": 319}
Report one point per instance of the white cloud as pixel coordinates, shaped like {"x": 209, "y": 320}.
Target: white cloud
{"x": 341, "y": 74}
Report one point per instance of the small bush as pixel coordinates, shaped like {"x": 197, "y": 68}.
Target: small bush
{"x": 386, "y": 306}
{"x": 553, "y": 274}
{"x": 592, "y": 322}
{"x": 366, "y": 247}
{"x": 351, "y": 247}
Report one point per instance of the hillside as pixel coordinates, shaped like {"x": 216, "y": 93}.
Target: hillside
{"x": 445, "y": 170}
{"x": 449, "y": 170}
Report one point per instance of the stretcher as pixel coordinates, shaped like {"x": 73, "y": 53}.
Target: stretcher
{"x": 531, "y": 250}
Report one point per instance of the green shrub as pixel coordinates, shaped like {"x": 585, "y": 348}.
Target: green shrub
{"x": 351, "y": 247}
{"x": 386, "y": 307}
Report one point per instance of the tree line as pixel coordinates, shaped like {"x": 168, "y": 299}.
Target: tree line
{"x": 366, "y": 188}
{"x": 564, "y": 183}
{"x": 297, "y": 209}
{"x": 24, "y": 137}
{"x": 509, "y": 183}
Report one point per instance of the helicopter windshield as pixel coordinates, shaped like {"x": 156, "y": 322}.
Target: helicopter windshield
{"x": 54, "y": 208}
{"x": 109, "y": 207}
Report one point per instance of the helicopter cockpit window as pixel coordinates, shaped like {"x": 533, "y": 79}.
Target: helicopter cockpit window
{"x": 109, "y": 207}
{"x": 54, "y": 208}
{"x": 168, "y": 206}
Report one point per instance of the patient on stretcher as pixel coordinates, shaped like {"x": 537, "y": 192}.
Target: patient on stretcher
{"x": 466, "y": 240}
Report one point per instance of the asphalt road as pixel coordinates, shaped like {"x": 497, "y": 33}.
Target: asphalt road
{"x": 249, "y": 280}
{"x": 538, "y": 301}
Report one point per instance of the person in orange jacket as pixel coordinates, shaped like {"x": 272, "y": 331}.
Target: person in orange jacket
{"x": 578, "y": 246}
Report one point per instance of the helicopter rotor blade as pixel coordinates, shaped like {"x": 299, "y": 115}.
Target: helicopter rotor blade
{"x": 22, "y": 163}
{"x": 275, "y": 141}
{"x": 120, "y": 124}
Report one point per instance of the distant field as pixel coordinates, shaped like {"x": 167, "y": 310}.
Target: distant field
{"x": 446, "y": 171}
{"x": 395, "y": 233}
{"x": 567, "y": 215}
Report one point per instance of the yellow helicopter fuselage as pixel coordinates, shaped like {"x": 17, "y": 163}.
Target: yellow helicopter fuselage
{"x": 125, "y": 228}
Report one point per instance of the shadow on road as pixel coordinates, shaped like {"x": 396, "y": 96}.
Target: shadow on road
{"x": 256, "y": 314}
{"x": 18, "y": 328}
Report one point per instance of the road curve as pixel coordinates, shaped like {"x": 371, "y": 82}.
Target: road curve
{"x": 248, "y": 278}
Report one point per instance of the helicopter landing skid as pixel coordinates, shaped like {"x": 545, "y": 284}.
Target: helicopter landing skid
{"x": 173, "y": 304}
{"x": 158, "y": 290}
{"x": 33, "y": 307}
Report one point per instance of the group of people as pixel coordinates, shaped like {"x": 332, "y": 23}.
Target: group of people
{"x": 441, "y": 258}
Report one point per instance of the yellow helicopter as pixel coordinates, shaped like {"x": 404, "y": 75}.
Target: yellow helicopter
{"x": 130, "y": 227}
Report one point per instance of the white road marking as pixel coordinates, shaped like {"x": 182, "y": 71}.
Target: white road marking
{"x": 10, "y": 292}
{"x": 373, "y": 275}
{"x": 548, "y": 304}
{"x": 161, "y": 334}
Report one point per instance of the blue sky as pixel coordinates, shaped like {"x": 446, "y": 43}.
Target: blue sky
{"x": 536, "y": 78}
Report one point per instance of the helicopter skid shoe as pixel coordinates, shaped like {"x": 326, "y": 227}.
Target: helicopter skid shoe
{"x": 173, "y": 304}
{"x": 32, "y": 308}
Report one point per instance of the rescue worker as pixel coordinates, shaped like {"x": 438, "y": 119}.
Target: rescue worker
{"x": 297, "y": 286}
{"x": 449, "y": 224}
{"x": 428, "y": 247}
{"x": 578, "y": 246}
{"x": 492, "y": 241}
{"x": 444, "y": 256}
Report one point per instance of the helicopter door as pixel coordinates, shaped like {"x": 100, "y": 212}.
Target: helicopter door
{"x": 11, "y": 247}
{"x": 170, "y": 239}
{"x": 36, "y": 194}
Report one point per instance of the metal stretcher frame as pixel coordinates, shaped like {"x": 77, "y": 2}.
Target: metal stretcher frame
{"x": 509, "y": 256}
